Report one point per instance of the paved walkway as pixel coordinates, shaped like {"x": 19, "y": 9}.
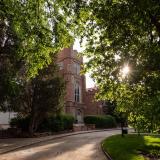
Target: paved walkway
{"x": 80, "y": 147}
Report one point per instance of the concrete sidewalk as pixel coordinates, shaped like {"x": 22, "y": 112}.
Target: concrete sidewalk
{"x": 12, "y": 144}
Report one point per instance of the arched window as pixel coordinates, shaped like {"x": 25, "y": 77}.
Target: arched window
{"x": 77, "y": 92}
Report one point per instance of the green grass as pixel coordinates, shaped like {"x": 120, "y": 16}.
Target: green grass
{"x": 130, "y": 146}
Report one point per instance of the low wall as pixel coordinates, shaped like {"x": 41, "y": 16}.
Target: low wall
{"x": 10, "y": 133}
{"x": 83, "y": 127}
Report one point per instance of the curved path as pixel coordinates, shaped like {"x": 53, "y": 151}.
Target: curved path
{"x": 76, "y": 147}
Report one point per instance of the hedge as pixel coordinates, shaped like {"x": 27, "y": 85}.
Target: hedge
{"x": 57, "y": 123}
{"x": 100, "y": 121}
{"x": 49, "y": 124}
{"x": 20, "y": 122}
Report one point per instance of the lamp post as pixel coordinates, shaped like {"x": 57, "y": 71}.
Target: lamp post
{"x": 125, "y": 71}
{"x": 123, "y": 124}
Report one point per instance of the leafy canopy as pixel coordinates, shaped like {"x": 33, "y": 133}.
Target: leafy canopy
{"x": 124, "y": 33}
{"x": 42, "y": 27}
{"x": 31, "y": 33}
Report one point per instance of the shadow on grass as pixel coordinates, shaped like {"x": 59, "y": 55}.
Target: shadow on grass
{"x": 132, "y": 147}
{"x": 152, "y": 147}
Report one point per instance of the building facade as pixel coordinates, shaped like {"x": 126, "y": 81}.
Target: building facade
{"x": 70, "y": 65}
{"x": 93, "y": 107}
{"x": 79, "y": 101}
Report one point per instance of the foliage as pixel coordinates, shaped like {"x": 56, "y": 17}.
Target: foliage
{"x": 101, "y": 121}
{"x": 142, "y": 109}
{"x": 42, "y": 95}
{"x": 68, "y": 121}
{"x": 57, "y": 123}
{"x": 119, "y": 34}
{"x": 20, "y": 122}
{"x": 9, "y": 64}
{"x": 132, "y": 146}
{"x": 109, "y": 108}
{"x": 41, "y": 29}
{"x": 31, "y": 33}
{"x": 49, "y": 124}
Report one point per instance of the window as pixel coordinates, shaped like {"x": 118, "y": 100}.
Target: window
{"x": 60, "y": 65}
{"x": 69, "y": 67}
{"x": 77, "y": 68}
{"x": 77, "y": 92}
{"x": 72, "y": 79}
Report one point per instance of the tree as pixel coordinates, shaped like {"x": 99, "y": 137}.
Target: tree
{"x": 119, "y": 34}
{"x": 42, "y": 95}
{"x": 109, "y": 107}
{"x": 31, "y": 33}
{"x": 9, "y": 63}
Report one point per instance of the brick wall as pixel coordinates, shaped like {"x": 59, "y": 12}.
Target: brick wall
{"x": 92, "y": 106}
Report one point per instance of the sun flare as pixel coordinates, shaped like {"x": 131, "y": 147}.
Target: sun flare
{"x": 125, "y": 71}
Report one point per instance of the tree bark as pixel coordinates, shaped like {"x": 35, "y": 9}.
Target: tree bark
{"x": 33, "y": 124}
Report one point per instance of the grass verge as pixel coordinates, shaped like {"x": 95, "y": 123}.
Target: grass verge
{"x": 132, "y": 147}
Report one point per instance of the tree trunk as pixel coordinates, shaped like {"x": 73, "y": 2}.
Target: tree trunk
{"x": 32, "y": 125}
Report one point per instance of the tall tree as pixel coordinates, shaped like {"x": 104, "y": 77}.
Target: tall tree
{"x": 123, "y": 34}
{"x": 41, "y": 96}
{"x": 31, "y": 33}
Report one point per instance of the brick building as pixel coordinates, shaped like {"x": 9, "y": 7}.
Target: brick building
{"x": 93, "y": 107}
{"x": 78, "y": 100}
{"x": 70, "y": 65}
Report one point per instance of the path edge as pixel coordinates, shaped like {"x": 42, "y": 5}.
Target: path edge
{"x": 105, "y": 152}
{"x": 52, "y": 138}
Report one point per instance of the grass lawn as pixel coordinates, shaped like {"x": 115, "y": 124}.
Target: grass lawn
{"x": 133, "y": 147}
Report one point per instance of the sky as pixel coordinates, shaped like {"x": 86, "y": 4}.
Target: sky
{"x": 89, "y": 82}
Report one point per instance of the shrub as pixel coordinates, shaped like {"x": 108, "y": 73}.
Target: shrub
{"x": 101, "y": 121}
{"x": 68, "y": 121}
{"x": 52, "y": 123}
{"x": 20, "y": 122}
{"x": 57, "y": 123}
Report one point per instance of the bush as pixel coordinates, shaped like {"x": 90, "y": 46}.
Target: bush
{"x": 57, "y": 123}
{"x": 68, "y": 121}
{"x": 20, "y": 122}
{"x": 52, "y": 123}
{"x": 101, "y": 121}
